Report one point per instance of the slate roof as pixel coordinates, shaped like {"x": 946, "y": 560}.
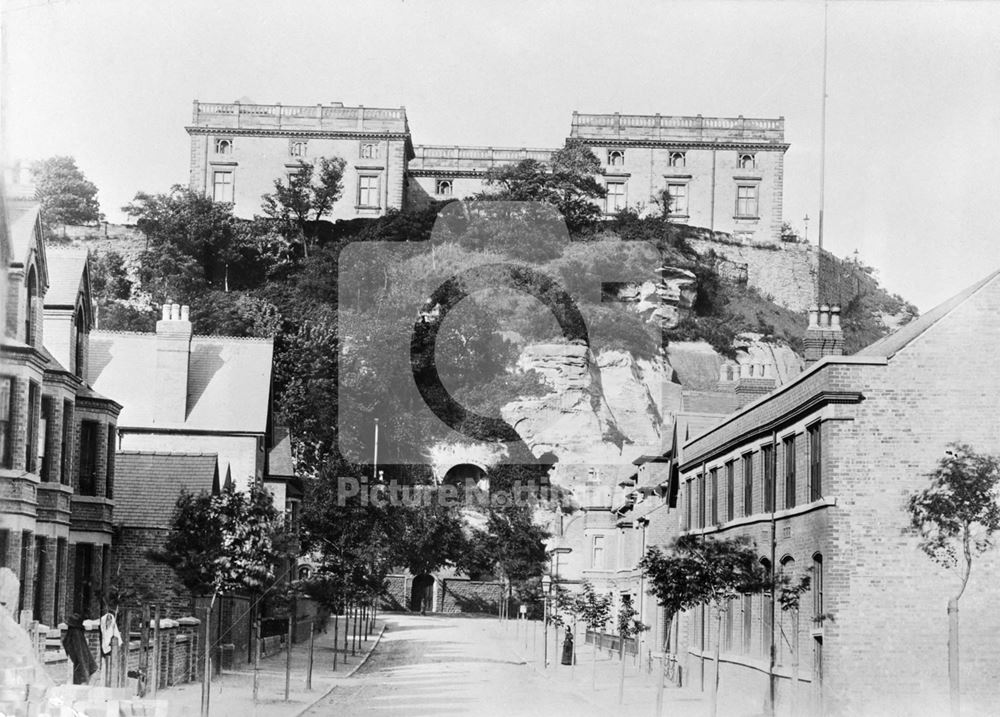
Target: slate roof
{"x": 888, "y": 346}
{"x": 147, "y": 485}
{"x": 66, "y": 276}
{"x": 279, "y": 459}
{"x": 21, "y": 219}
{"x": 229, "y": 380}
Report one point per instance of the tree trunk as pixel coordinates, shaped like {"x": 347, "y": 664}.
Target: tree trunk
{"x": 953, "y": 681}
{"x": 663, "y": 669}
{"x": 714, "y": 709}
{"x": 795, "y": 663}
{"x": 336, "y": 634}
{"x": 593, "y": 676}
{"x": 621, "y": 676}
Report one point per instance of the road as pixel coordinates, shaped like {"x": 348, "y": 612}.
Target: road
{"x": 438, "y": 665}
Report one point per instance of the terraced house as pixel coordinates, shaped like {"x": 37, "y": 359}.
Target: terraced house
{"x": 817, "y": 474}
{"x": 57, "y": 435}
{"x": 724, "y": 173}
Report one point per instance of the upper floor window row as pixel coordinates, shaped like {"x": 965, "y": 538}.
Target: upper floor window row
{"x": 223, "y": 146}
{"x": 369, "y": 150}
{"x": 747, "y": 160}
{"x": 616, "y": 157}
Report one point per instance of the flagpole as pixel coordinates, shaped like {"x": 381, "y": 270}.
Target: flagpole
{"x": 822, "y": 151}
{"x": 375, "y": 461}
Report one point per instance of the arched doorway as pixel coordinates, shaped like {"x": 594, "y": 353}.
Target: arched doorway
{"x": 422, "y": 593}
{"x": 466, "y": 475}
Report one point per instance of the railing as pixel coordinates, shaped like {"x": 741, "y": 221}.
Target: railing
{"x": 455, "y": 156}
{"x": 771, "y": 128}
{"x": 611, "y": 642}
{"x": 235, "y": 113}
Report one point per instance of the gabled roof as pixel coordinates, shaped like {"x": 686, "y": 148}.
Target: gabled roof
{"x": 229, "y": 381}
{"x": 279, "y": 459}
{"x": 888, "y": 347}
{"x": 24, "y": 231}
{"x": 147, "y": 485}
{"x": 68, "y": 276}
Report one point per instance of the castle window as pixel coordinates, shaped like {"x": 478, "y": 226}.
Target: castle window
{"x": 615, "y": 200}
{"x": 678, "y": 159}
{"x": 815, "y": 463}
{"x": 443, "y": 188}
{"x": 222, "y": 186}
{"x": 369, "y": 150}
{"x": 746, "y": 201}
{"x": 789, "y": 449}
{"x": 6, "y": 421}
{"x": 747, "y": 161}
{"x": 368, "y": 191}
{"x": 297, "y": 148}
{"x": 616, "y": 157}
{"x": 223, "y": 146}
{"x": 678, "y": 197}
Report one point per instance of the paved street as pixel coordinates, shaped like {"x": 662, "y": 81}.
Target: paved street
{"x": 438, "y": 665}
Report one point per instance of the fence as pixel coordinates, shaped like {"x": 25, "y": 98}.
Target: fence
{"x": 611, "y": 642}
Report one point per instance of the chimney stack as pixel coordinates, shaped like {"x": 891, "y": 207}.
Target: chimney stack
{"x": 755, "y": 380}
{"x": 824, "y": 337}
{"x": 173, "y": 351}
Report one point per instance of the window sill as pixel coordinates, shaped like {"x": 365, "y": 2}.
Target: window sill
{"x": 366, "y": 208}
{"x": 740, "y": 218}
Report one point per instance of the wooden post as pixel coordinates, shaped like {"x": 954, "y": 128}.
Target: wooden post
{"x": 143, "y": 653}
{"x": 126, "y": 630}
{"x": 309, "y": 668}
{"x": 206, "y": 681}
{"x": 256, "y": 657}
{"x": 156, "y": 649}
{"x": 288, "y": 654}
{"x": 347, "y": 628}
{"x": 336, "y": 635}
{"x": 354, "y": 642}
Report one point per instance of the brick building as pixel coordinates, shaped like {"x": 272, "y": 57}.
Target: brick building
{"x": 724, "y": 173}
{"x": 817, "y": 474}
{"x": 57, "y": 435}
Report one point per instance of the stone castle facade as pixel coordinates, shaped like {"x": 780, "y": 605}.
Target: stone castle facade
{"x": 722, "y": 173}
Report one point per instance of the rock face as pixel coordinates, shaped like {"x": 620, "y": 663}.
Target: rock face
{"x": 667, "y": 301}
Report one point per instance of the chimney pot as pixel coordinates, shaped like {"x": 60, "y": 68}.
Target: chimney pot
{"x": 175, "y": 312}
{"x": 835, "y": 318}
{"x": 185, "y": 313}
{"x": 166, "y": 312}
{"x": 824, "y": 316}
{"x": 813, "y": 317}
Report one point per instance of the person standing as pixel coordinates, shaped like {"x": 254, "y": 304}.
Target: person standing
{"x": 75, "y": 644}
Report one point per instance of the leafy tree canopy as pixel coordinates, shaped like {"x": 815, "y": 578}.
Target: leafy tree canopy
{"x": 67, "y": 196}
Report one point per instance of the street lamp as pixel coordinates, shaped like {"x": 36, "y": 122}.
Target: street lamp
{"x": 546, "y": 587}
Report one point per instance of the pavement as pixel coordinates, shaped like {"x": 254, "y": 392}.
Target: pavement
{"x": 421, "y": 666}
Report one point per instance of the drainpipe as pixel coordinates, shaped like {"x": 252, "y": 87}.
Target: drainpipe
{"x": 772, "y": 686}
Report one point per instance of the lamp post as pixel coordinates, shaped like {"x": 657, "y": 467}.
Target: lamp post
{"x": 546, "y": 588}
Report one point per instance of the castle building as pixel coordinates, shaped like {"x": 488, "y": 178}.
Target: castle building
{"x": 720, "y": 172}
{"x": 817, "y": 474}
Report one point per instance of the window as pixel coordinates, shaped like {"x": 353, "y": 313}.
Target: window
{"x": 6, "y": 421}
{"x": 222, "y": 186}
{"x": 88, "y": 458}
{"x": 747, "y": 622}
{"x": 297, "y": 148}
{"x": 746, "y": 200}
{"x": 748, "y": 484}
{"x": 304, "y": 572}
{"x": 444, "y": 188}
{"x": 815, "y": 463}
{"x": 785, "y": 636}
{"x": 45, "y": 444}
{"x": 701, "y": 501}
{"x": 26, "y": 545}
{"x": 677, "y": 159}
{"x": 67, "y": 443}
{"x": 597, "y": 553}
{"x": 79, "y": 343}
{"x": 29, "y": 310}
{"x": 368, "y": 194}
{"x": 60, "y": 579}
{"x": 616, "y": 157}
{"x": 369, "y": 150}
{"x": 715, "y": 495}
{"x": 223, "y": 146}
{"x": 727, "y": 626}
{"x": 677, "y": 194}
{"x": 616, "y": 197}
{"x": 110, "y": 474}
{"x": 817, "y": 585}
{"x": 747, "y": 160}
{"x": 83, "y": 578}
{"x": 767, "y": 468}
{"x": 730, "y": 490}
{"x": 41, "y": 566}
{"x": 689, "y": 499}
{"x": 31, "y": 435}
{"x": 789, "y": 450}
{"x": 4, "y": 547}
{"x": 703, "y": 625}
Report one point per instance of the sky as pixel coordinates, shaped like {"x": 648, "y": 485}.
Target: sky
{"x": 912, "y": 177}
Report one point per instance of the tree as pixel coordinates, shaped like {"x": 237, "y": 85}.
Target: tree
{"x": 696, "y": 571}
{"x": 194, "y": 245}
{"x": 306, "y": 196}
{"x": 956, "y": 517}
{"x": 568, "y": 182}
{"x": 67, "y": 196}
{"x": 595, "y": 611}
{"x": 629, "y": 625}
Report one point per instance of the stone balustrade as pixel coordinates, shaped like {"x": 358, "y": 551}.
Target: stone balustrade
{"x": 665, "y": 127}
{"x": 326, "y": 118}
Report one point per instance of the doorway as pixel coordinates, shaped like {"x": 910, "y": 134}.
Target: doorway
{"x": 422, "y": 593}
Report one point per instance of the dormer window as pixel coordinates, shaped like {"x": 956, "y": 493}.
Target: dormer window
{"x": 616, "y": 158}
{"x": 223, "y": 146}
{"x": 29, "y": 309}
{"x": 747, "y": 161}
{"x": 678, "y": 159}
{"x": 297, "y": 148}
{"x": 444, "y": 188}
{"x": 80, "y": 342}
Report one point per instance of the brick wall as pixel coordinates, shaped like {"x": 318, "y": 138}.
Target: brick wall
{"x": 132, "y": 567}
{"x": 458, "y": 595}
